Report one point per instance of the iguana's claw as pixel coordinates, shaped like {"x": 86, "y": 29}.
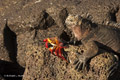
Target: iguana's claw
{"x": 113, "y": 68}
{"x": 75, "y": 62}
{"x": 80, "y": 63}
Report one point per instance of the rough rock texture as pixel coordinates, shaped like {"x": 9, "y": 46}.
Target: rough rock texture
{"x": 118, "y": 16}
{"x": 30, "y": 21}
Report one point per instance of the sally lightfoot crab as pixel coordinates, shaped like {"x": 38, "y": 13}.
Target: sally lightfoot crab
{"x": 55, "y": 46}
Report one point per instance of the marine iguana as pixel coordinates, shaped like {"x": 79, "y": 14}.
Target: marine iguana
{"x": 93, "y": 36}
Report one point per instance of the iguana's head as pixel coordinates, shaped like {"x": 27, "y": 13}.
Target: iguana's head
{"x": 79, "y": 26}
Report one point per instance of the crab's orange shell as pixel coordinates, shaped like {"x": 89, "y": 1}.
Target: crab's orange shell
{"x": 53, "y": 41}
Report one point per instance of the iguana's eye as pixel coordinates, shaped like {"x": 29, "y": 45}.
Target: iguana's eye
{"x": 71, "y": 20}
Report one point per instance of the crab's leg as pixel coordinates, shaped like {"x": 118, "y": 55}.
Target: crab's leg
{"x": 63, "y": 58}
{"x": 56, "y": 51}
{"x": 60, "y": 54}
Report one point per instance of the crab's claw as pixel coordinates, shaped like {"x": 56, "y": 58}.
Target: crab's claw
{"x": 46, "y": 42}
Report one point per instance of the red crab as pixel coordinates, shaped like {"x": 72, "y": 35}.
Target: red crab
{"x": 55, "y": 47}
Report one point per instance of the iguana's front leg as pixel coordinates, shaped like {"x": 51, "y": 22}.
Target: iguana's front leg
{"x": 92, "y": 50}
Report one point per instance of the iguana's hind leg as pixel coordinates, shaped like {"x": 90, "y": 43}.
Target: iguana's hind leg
{"x": 113, "y": 68}
{"x": 92, "y": 50}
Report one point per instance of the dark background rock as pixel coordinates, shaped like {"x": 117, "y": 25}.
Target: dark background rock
{"x": 31, "y": 21}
